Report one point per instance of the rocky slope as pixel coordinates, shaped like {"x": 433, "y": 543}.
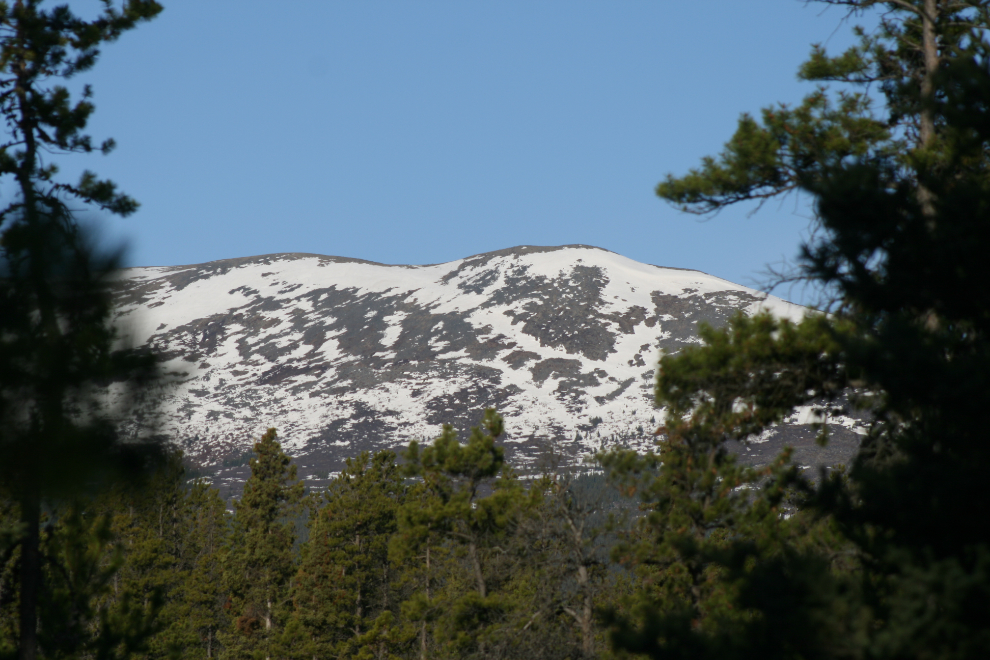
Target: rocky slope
{"x": 342, "y": 355}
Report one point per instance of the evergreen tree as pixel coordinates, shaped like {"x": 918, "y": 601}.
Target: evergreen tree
{"x": 568, "y": 544}
{"x": 202, "y": 616}
{"x": 81, "y": 609}
{"x": 10, "y": 533}
{"x": 259, "y": 564}
{"x": 474, "y": 502}
{"x": 169, "y": 537}
{"x": 79, "y": 613}
{"x": 345, "y": 592}
{"x": 55, "y": 339}
{"x": 886, "y": 561}
{"x": 708, "y": 518}
{"x": 419, "y": 549}
{"x": 793, "y": 148}
{"x": 146, "y": 527}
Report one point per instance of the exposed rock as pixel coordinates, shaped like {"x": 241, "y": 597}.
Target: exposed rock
{"x": 342, "y": 355}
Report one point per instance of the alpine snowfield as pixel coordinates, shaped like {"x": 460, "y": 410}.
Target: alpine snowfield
{"x": 342, "y": 355}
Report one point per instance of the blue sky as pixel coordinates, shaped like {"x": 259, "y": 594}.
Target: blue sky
{"x": 425, "y": 131}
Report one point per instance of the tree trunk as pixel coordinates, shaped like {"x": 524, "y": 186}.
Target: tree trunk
{"x": 926, "y": 131}
{"x": 585, "y": 619}
{"x": 476, "y": 564}
{"x": 587, "y": 636}
{"x": 358, "y": 610}
{"x": 929, "y": 49}
{"x": 30, "y": 578}
{"x": 358, "y": 605}
{"x": 422, "y": 630}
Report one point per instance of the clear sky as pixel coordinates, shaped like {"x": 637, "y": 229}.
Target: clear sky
{"x": 423, "y": 131}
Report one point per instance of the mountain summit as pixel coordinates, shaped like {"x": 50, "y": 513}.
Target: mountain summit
{"x": 342, "y": 355}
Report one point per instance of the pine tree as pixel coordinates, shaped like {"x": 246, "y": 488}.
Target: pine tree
{"x": 345, "y": 592}
{"x": 568, "y": 544}
{"x": 259, "y": 563}
{"x": 169, "y": 537}
{"x": 792, "y": 148}
{"x": 146, "y": 528}
{"x": 55, "y": 339}
{"x": 708, "y": 518}
{"x": 883, "y": 562}
{"x": 205, "y": 530}
{"x": 473, "y": 501}
{"x": 419, "y": 550}
{"x": 79, "y": 613}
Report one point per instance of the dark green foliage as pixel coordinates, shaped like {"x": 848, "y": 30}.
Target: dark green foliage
{"x": 344, "y": 593}
{"x": 81, "y": 610}
{"x": 473, "y": 501}
{"x": 201, "y": 614}
{"x": 75, "y": 615}
{"x": 147, "y": 539}
{"x": 797, "y": 147}
{"x": 728, "y": 566}
{"x": 752, "y": 374}
{"x": 889, "y": 560}
{"x": 772, "y": 157}
{"x": 258, "y": 564}
{"x": 386, "y": 571}
{"x": 128, "y": 571}
{"x": 55, "y": 336}
{"x": 170, "y": 537}
{"x": 420, "y": 547}
{"x": 491, "y": 569}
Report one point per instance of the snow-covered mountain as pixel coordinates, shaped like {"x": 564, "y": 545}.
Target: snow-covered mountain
{"x": 342, "y": 355}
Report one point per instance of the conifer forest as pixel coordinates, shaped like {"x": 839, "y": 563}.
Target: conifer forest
{"x": 110, "y": 549}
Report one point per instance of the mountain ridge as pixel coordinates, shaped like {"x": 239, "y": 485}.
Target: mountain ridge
{"x": 343, "y": 354}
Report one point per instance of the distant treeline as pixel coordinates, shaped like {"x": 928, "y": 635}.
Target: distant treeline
{"x": 448, "y": 555}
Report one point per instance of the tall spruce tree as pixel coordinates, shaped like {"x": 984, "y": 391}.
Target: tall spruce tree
{"x": 473, "y": 501}
{"x": 82, "y": 612}
{"x": 707, "y": 518}
{"x": 146, "y": 527}
{"x": 167, "y": 540}
{"x": 169, "y": 537}
{"x": 202, "y": 616}
{"x": 419, "y": 548}
{"x": 55, "y": 340}
{"x": 345, "y": 593}
{"x": 259, "y": 564}
{"x": 890, "y": 562}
